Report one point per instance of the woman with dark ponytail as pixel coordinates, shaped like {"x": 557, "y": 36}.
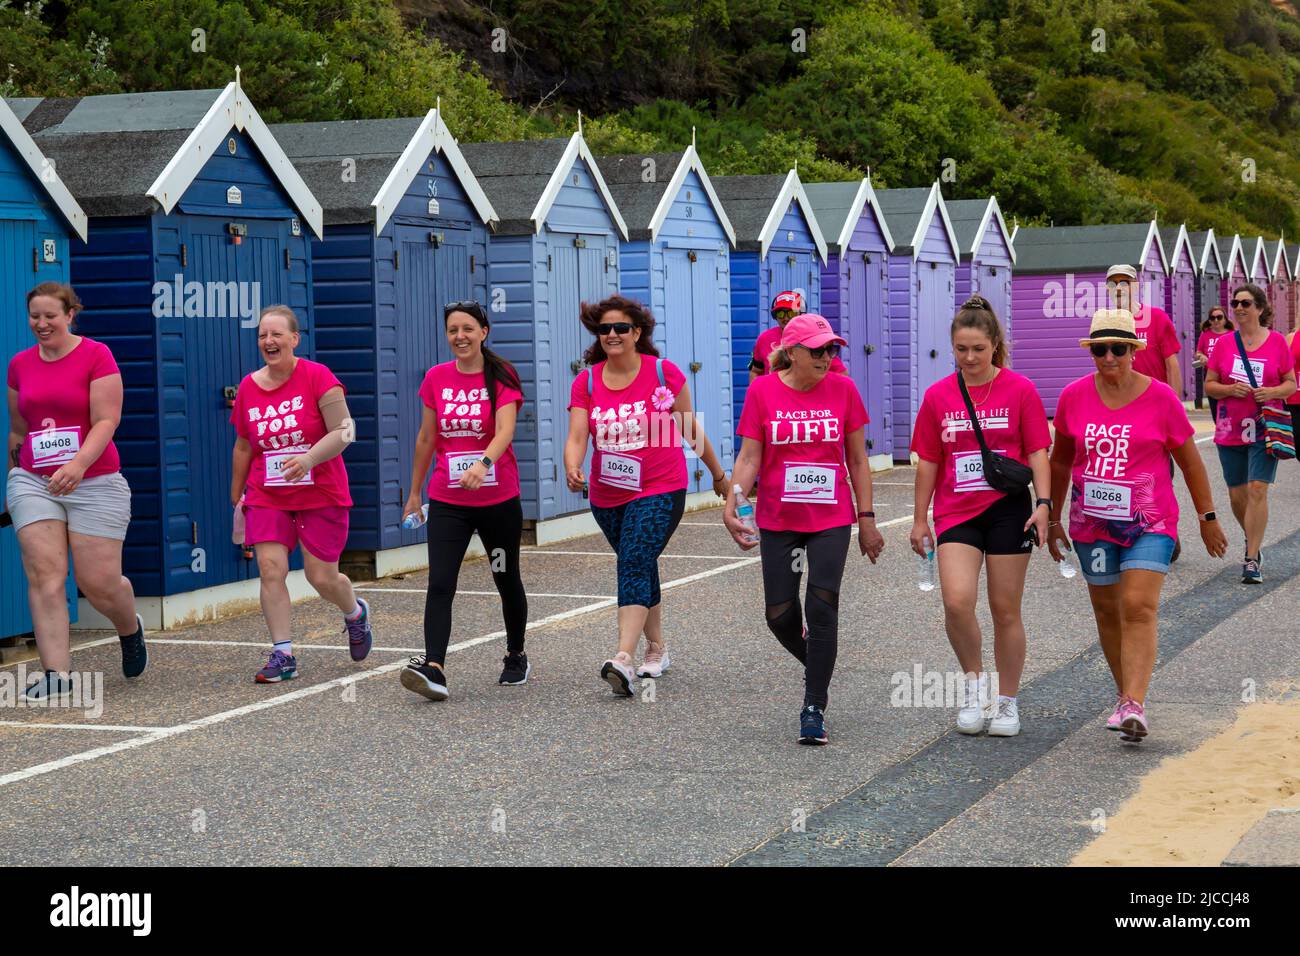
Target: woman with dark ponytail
{"x": 468, "y": 424}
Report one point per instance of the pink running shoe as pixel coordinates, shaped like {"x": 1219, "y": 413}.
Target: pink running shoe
{"x": 1112, "y": 722}
{"x": 656, "y": 661}
{"x": 1132, "y": 722}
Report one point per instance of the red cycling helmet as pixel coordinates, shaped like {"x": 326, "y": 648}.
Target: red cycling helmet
{"x": 789, "y": 300}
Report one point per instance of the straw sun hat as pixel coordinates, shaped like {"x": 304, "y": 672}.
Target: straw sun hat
{"x": 1112, "y": 325}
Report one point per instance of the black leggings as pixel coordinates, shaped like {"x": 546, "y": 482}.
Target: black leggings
{"x": 785, "y": 555}
{"x": 450, "y": 529}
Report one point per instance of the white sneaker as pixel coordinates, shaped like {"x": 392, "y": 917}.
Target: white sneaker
{"x": 970, "y": 719}
{"x": 655, "y": 663}
{"x": 619, "y": 676}
{"x": 1006, "y": 722}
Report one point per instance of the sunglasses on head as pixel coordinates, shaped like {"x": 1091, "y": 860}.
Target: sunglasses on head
{"x": 1117, "y": 349}
{"x": 469, "y": 306}
{"x": 1242, "y": 303}
{"x": 830, "y": 349}
{"x": 615, "y": 328}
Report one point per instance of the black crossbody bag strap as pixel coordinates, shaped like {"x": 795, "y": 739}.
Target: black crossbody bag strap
{"x": 974, "y": 419}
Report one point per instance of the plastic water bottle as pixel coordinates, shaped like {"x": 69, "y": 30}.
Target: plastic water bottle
{"x": 1069, "y": 563}
{"x": 237, "y": 528}
{"x": 416, "y": 518}
{"x": 926, "y": 578}
{"x": 745, "y": 512}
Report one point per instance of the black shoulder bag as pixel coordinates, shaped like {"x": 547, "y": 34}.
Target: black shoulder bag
{"x": 1002, "y": 473}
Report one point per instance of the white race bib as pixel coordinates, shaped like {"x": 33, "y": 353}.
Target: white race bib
{"x": 275, "y": 462}
{"x": 457, "y": 465}
{"x": 620, "y": 471}
{"x": 55, "y": 446}
{"x": 1111, "y": 500}
{"x": 1239, "y": 370}
{"x": 968, "y": 471}
{"x": 810, "y": 484}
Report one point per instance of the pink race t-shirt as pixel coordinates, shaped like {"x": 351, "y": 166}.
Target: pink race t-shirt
{"x": 1238, "y": 416}
{"x": 1154, "y": 327}
{"x": 465, "y": 427}
{"x": 1121, "y": 487}
{"x": 1013, "y": 421}
{"x": 1294, "y": 397}
{"x": 54, "y": 401}
{"x": 637, "y": 447}
{"x": 767, "y": 342}
{"x": 1205, "y": 344}
{"x": 284, "y": 423}
{"x": 803, "y": 479}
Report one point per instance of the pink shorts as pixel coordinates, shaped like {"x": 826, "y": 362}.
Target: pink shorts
{"x": 322, "y": 531}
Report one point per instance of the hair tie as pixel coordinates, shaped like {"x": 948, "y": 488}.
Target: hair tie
{"x": 975, "y": 302}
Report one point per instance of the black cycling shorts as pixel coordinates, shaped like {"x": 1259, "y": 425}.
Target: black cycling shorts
{"x": 998, "y": 529}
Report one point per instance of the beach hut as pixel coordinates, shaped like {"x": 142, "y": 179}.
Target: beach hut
{"x": 1279, "y": 289}
{"x": 779, "y": 246}
{"x": 1293, "y": 289}
{"x": 406, "y": 226}
{"x": 38, "y": 219}
{"x": 855, "y": 292}
{"x": 1180, "y": 299}
{"x": 677, "y": 261}
{"x": 1260, "y": 268}
{"x": 555, "y": 247}
{"x": 1060, "y": 280}
{"x": 197, "y": 219}
{"x": 922, "y": 288}
{"x": 1235, "y": 265}
{"x": 1209, "y": 273}
{"x": 987, "y": 254}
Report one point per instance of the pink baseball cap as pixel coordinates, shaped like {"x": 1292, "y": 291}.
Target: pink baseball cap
{"x": 809, "y": 330}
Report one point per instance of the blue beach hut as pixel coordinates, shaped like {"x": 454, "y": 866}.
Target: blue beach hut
{"x": 555, "y": 247}
{"x": 197, "y": 219}
{"x": 779, "y": 246}
{"x": 38, "y": 218}
{"x": 406, "y": 226}
{"x": 677, "y": 262}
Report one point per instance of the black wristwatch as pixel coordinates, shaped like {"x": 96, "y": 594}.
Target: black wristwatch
{"x": 485, "y": 461}
{"x": 1043, "y": 501}
{"x": 866, "y": 514}
{"x": 1209, "y": 516}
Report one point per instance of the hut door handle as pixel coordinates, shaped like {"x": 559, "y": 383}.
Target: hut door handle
{"x": 868, "y": 349}
{"x": 934, "y": 353}
{"x": 696, "y": 366}
{"x": 575, "y": 366}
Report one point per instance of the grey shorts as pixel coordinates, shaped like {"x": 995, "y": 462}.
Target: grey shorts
{"x": 99, "y": 506}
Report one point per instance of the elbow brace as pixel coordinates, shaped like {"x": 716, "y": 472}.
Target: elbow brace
{"x": 342, "y": 432}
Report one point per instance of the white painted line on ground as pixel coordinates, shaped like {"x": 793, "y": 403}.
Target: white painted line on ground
{"x": 297, "y": 645}
{"x": 116, "y": 728}
{"x": 72, "y": 760}
{"x": 611, "y": 554}
{"x": 531, "y": 594}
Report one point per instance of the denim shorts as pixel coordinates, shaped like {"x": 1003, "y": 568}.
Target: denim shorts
{"x": 1243, "y": 463}
{"x": 1102, "y": 561}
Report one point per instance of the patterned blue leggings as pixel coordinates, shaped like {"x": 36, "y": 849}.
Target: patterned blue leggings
{"x": 638, "y": 531}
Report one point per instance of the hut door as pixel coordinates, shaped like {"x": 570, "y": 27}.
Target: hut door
{"x": 934, "y": 316}
{"x": 690, "y": 284}
{"x": 866, "y": 307}
{"x": 568, "y": 342}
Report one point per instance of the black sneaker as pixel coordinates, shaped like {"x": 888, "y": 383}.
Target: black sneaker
{"x": 51, "y": 686}
{"x": 1250, "y": 573}
{"x": 516, "y": 669}
{"x": 812, "y": 726}
{"x": 425, "y": 678}
{"x": 135, "y": 656}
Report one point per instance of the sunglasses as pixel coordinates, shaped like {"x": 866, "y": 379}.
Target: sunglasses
{"x": 831, "y": 349}
{"x": 1242, "y": 303}
{"x": 1117, "y": 349}
{"x": 469, "y": 306}
{"x": 780, "y": 314}
{"x": 1218, "y": 318}
{"x": 615, "y": 328}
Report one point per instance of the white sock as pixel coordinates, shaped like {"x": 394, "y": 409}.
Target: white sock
{"x": 284, "y": 647}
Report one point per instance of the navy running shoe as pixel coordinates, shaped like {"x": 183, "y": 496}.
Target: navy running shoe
{"x": 280, "y": 666}
{"x": 812, "y": 726}
{"x": 135, "y": 656}
{"x": 360, "y": 636}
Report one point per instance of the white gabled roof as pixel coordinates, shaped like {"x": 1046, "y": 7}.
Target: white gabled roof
{"x": 1238, "y": 252}
{"x": 576, "y": 150}
{"x": 1153, "y": 234}
{"x": 865, "y": 196}
{"x": 1182, "y": 241}
{"x": 994, "y": 211}
{"x": 1258, "y": 257}
{"x": 1282, "y": 269}
{"x": 431, "y": 136}
{"x": 45, "y": 172}
{"x": 233, "y": 108}
{"x": 791, "y": 190}
{"x": 690, "y": 161}
{"x": 1211, "y": 248}
{"x": 934, "y": 203}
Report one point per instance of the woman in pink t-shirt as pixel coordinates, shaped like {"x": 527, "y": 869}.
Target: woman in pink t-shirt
{"x": 784, "y": 308}
{"x": 289, "y": 485}
{"x": 1116, "y": 431}
{"x": 1217, "y": 324}
{"x": 469, "y": 408}
{"x": 979, "y": 526}
{"x": 64, "y": 491}
{"x": 806, "y": 448}
{"x": 1248, "y": 468}
{"x": 636, "y": 408}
